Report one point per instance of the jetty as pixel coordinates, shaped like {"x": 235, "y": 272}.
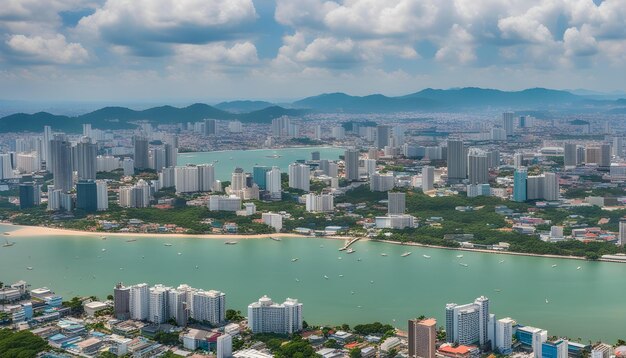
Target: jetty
{"x": 349, "y": 243}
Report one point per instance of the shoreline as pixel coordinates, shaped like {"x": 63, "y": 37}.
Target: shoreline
{"x": 25, "y": 231}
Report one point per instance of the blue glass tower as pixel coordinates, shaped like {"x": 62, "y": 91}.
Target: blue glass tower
{"x": 519, "y": 185}
{"x": 258, "y": 175}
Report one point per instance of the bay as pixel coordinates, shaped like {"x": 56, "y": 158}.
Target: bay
{"x": 585, "y": 303}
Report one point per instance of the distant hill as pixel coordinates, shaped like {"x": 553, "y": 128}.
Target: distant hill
{"x": 440, "y": 99}
{"x": 122, "y": 117}
{"x": 243, "y": 106}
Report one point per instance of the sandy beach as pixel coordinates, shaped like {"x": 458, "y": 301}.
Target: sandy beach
{"x": 26, "y": 231}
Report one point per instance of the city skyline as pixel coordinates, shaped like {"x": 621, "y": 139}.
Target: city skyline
{"x": 273, "y": 50}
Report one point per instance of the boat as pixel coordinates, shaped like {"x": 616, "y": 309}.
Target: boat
{"x": 501, "y": 261}
{"x": 383, "y": 254}
{"x": 29, "y": 268}
{"x": 350, "y": 251}
{"x": 339, "y": 258}
{"x": 426, "y": 256}
{"x": 6, "y": 233}
{"x": 294, "y": 259}
{"x": 359, "y": 259}
{"x": 275, "y": 238}
{"x": 103, "y": 250}
{"x": 8, "y": 244}
{"x": 321, "y": 246}
{"x": 297, "y": 280}
{"x": 340, "y": 275}
{"x": 554, "y": 265}
{"x": 180, "y": 253}
{"x": 167, "y": 244}
{"x": 462, "y": 264}
{"x": 372, "y": 281}
{"x": 131, "y": 240}
{"x": 547, "y": 301}
{"x": 326, "y": 277}
{"x": 498, "y": 290}
{"x": 103, "y": 237}
{"x": 197, "y": 267}
{"x": 352, "y": 292}
{"x": 459, "y": 256}
{"x": 578, "y": 268}
{"x": 273, "y": 156}
{"x": 231, "y": 243}
{"x": 406, "y": 254}
{"x": 358, "y": 306}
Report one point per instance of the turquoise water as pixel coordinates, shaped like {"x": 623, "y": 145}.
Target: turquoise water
{"x": 228, "y": 160}
{"x": 586, "y": 303}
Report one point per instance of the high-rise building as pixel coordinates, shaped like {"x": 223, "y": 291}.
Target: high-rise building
{"x": 457, "y": 161}
{"x": 396, "y": 203}
{"x": 186, "y": 179}
{"x": 315, "y": 156}
{"x": 422, "y": 336}
{"x": 319, "y": 203}
{"x": 519, "y": 184}
{"x": 171, "y": 151}
{"x": 210, "y": 127}
{"x": 299, "y": 176}
{"x": 508, "y": 123}
{"x": 593, "y": 155}
{"x": 45, "y": 145}
{"x": 570, "y": 155}
{"x": 550, "y": 186}
{"x": 157, "y": 306}
{"x": 468, "y": 324}
{"x": 29, "y": 195}
{"x": 478, "y": 167}
{"x": 428, "y": 178}
{"x": 128, "y": 165}
{"x": 224, "y": 346}
{"x": 136, "y": 196}
{"x": 518, "y": 160}
{"x": 141, "y": 153}
{"x": 533, "y": 338}
{"x": 224, "y": 203}
{"x": 177, "y": 306}
{"x": 266, "y": 316}
{"x": 382, "y": 182}
{"x": 622, "y": 233}
{"x": 206, "y": 177}
{"x": 209, "y": 306}
{"x": 273, "y": 220}
{"x": 157, "y": 158}
{"x": 383, "y": 133}
{"x": 86, "y": 157}
{"x": 238, "y": 180}
{"x": 317, "y": 132}
{"x": 493, "y": 158}
{"x": 605, "y": 155}
{"x": 121, "y": 302}
{"x": 259, "y": 175}
{"x": 504, "y": 335}
{"x": 351, "y": 158}
{"x": 87, "y": 195}
{"x": 618, "y": 147}
{"x": 6, "y": 166}
{"x": 273, "y": 183}
{"x": 61, "y": 162}
{"x": 555, "y": 349}
{"x": 338, "y": 132}
{"x": 139, "y": 302}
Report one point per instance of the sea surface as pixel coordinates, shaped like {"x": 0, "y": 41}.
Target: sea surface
{"x": 228, "y": 160}
{"x": 586, "y": 302}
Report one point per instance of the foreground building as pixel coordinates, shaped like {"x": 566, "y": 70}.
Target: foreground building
{"x": 265, "y": 316}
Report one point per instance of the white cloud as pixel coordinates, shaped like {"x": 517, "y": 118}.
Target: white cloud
{"x": 458, "y": 47}
{"x": 37, "y": 49}
{"x": 243, "y": 53}
{"x": 579, "y": 42}
{"x": 523, "y": 29}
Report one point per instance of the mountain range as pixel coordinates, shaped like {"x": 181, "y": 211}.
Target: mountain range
{"x": 456, "y": 99}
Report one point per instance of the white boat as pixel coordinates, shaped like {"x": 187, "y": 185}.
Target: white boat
{"x": 180, "y": 253}
{"x": 339, "y": 258}
{"x": 321, "y": 246}
{"x": 383, "y": 254}
{"x": 501, "y": 261}
{"x": 578, "y": 268}
{"x": 326, "y": 277}
{"x": 372, "y": 281}
{"x": 103, "y": 237}
{"x": 459, "y": 256}
{"x": 554, "y": 265}
{"x": 350, "y": 251}
{"x": 498, "y": 290}
{"x": 8, "y": 244}
{"x": 547, "y": 301}
{"x": 167, "y": 244}
{"x": 340, "y": 275}
{"x": 352, "y": 292}
{"x": 426, "y": 256}
{"x": 231, "y": 243}
{"x": 29, "y": 268}
{"x": 294, "y": 259}
{"x": 462, "y": 264}
{"x": 359, "y": 306}
{"x": 297, "y": 280}
{"x": 406, "y": 254}
{"x": 103, "y": 250}
{"x": 275, "y": 238}
{"x": 197, "y": 267}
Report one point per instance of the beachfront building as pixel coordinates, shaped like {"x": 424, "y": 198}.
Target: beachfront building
{"x": 265, "y": 316}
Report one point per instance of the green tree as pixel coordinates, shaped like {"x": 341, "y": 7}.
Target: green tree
{"x": 355, "y": 353}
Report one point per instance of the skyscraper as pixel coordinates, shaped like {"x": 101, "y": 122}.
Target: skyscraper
{"x": 61, "y": 162}
{"x": 224, "y": 346}
{"x": 550, "y": 186}
{"x": 273, "y": 183}
{"x": 86, "y": 159}
{"x": 157, "y": 307}
{"x": 121, "y": 302}
{"x": 210, "y": 127}
{"x": 504, "y": 335}
{"x": 622, "y": 232}
{"x": 570, "y": 155}
{"x": 428, "y": 178}
{"x": 171, "y": 151}
{"x": 457, "y": 161}
{"x": 86, "y": 195}
{"x": 29, "y": 195}
{"x": 605, "y": 155}
{"x": 206, "y": 177}
{"x": 139, "y": 302}
{"x": 508, "y": 123}
{"x": 468, "y": 324}
{"x": 259, "y": 175}
{"x": 519, "y": 184}
{"x": 45, "y": 146}
{"x": 396, "y": 203}
{"x": 299, "y": 176}
{"x": 382, "y": 136}
{"x": 478, "y": 168}
{"x": 382, "y": 182}
{"x": 351, "y": 157}
{"x": 422, "y": 336}
{"x": 141, "y": 154}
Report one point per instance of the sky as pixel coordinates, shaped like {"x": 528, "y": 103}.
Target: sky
{"x": 208, "y": 50}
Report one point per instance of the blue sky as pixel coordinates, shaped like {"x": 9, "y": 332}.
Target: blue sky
{"x": 173, "y": 50}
